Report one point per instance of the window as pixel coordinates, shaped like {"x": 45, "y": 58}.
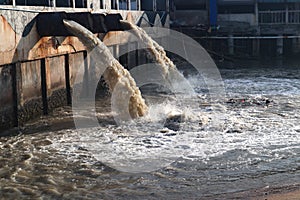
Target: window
{"x": 5, "y": 2}
{"x": 64, "y": 3}
{"x": 147, "y": 5}
{"x": 113, "y": 4}
{"x": 80, "y": 3}
{"x": 123, "y": 5}
{"x": 134, "y": 5}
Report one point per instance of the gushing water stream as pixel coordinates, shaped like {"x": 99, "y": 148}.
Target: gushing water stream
{"x": 168, "y": 69}
{"x": 114, "y": 73}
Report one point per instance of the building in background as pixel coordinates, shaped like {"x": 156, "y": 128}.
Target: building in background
{"x": 246, "y": 26}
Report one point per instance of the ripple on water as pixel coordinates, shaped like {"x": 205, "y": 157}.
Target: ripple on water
{"x": 220, "y": 148}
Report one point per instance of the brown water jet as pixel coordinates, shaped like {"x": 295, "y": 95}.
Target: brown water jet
{"x": 112, "y": 71}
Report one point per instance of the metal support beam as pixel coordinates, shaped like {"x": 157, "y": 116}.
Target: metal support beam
{"x": 168, "y": 6}
{"x": 139, "y": 5}
{"x": 117, "y": 4}
{"x": 154, "y": 6}
{"x": 128, "y": 4}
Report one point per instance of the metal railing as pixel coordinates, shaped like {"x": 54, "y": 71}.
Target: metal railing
{"x": 294, "y": 17}
{"x": 279, "y": 17}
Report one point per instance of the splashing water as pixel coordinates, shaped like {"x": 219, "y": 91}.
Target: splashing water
{"x": 114, "y": 73}
{"x": 169, "y": 71}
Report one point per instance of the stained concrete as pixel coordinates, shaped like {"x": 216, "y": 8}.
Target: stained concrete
{"x": 37, "y": 74}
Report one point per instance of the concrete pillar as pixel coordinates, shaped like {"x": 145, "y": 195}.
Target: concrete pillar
{"x": 138, "y": 6}
{"x": 286, "y": 14}
{"x": 17, "y": 90}
{"x": 154, "y": 6}
{"x": 53, "y": 3}
{"x": 230, "y": 44}
{"x": 117, "y": 4}
{"x": 279, "y": 46}
{"x": 85, "y": 83}
{"x": 116, "y": 51}
{"x": 44, "y": 86}
{"x": 255, "y": 47}
{"x": 128, "y": 4}
{"x": 168, "y": 5}
{"x": 67, "y": 79}
{"x": 14, "y": 3}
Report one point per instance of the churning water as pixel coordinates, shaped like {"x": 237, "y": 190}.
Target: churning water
{"x": 247, "y": 142}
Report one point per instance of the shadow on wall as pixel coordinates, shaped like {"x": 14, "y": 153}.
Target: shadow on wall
{"x": 30, "y": 88}
{"x": 7, "y": 117}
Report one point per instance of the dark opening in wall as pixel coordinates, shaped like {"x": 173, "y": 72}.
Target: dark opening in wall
{"x": 191, "y": 7}
{"x": 188, "y": 5}
{"x": 161, "y": 5}
{"x": 31, "y": 2}
{"x": 113, "y": 4}
{"x": 236, "y": 9}
{"x": 64, "y": 3}
{"x": 101, "y": 4}
{"x": 81, "y": 3}
{"x": 147, "y": 5}
{"x": 6, "y": 2}
{"x": 271, "y": 6}
{"x": 134, "y": 5}
{"x": 123, "y": 5}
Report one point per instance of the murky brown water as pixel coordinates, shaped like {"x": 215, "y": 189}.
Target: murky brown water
{"x": 248, "y": 142}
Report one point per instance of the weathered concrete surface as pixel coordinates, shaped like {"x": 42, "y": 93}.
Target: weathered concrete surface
{"x": 56, "y": 83}
{"x": 76, "y": 67}
{"x": 6, "y": 97}
{"x": 21, "y": 42}
{"x": 28, "y": 90}
{"x": 31, "y": 81}
{"x": 22, "y": 52}
{"x": 7, "y": 34}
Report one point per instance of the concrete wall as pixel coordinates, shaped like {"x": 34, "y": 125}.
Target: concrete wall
{"x": 37, "y": 73}
{"x": 7, "y": 114}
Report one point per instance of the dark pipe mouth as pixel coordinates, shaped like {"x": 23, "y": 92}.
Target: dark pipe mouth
{"x": 51, "y": 23}
{"x": 125, "y": 26}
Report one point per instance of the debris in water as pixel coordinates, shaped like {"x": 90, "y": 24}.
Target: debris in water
{"x": 174, "y": 120}
{"x": 249, "y": 102}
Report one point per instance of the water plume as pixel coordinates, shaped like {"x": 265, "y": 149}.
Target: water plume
{"x": 113, "y": 72}
{"x": 157, "y": 52}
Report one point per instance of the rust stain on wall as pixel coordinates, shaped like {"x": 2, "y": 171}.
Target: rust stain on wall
{"x": 7, "y": 41}
{"x": 53, "y": 46}
{"x": 116, "y": 38}
{"x": 130, "y": 18}
{"x": 7, "y": 36}
{"x": 31, "y": 80}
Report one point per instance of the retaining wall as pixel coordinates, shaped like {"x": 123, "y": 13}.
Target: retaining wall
{"x": 37, "y": 74}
